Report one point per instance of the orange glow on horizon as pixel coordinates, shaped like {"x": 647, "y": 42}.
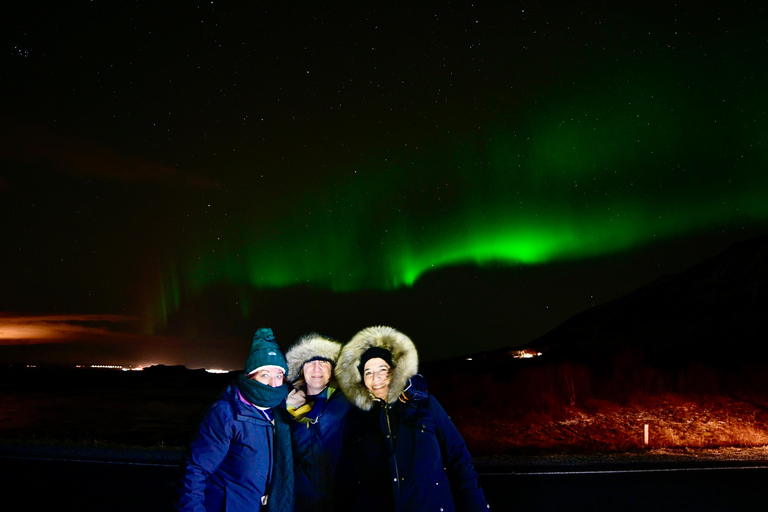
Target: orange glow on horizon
{"x": 23, "y": 332}
{"x": 35, "y": 329}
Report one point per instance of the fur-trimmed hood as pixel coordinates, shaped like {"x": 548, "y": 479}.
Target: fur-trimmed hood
{"x": 405, "y": 361}
{"x": 308, "y": 347}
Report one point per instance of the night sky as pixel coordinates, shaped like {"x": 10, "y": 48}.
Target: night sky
{"x": 174, "y": 175}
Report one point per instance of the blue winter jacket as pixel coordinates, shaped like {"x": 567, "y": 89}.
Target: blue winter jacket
{"x": 317, "y": 444}
{"x": 408, "y": 456}
{"x": 230, "y": 460}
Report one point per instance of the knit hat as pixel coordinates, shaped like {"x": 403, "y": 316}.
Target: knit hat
{"x": 373, "y": 353}
{"x": 264, "y": 352}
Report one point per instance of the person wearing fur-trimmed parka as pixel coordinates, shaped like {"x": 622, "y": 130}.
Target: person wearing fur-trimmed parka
{"x": 318, "y": 409}
{"x": 402, "y": 451}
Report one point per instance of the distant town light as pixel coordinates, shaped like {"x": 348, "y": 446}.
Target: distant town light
{"x": 213, "y": 370}
{"x": 525, "y": 354}
{"x": 112, "y": 367}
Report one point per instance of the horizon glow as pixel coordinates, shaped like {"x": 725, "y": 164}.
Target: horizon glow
{"x": 24, "y": 329}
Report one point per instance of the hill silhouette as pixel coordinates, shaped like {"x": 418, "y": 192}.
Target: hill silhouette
{"x": 684, "y": 355}
{"x": 715, "y": 312}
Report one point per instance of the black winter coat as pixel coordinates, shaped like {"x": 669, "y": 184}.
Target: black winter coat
{"x": 408, "y": 456}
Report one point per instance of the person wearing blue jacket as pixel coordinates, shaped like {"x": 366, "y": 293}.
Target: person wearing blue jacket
{"x": 241, "y": 458}
{"x": 318, "y": 409}
{"x": 403, "y": 453}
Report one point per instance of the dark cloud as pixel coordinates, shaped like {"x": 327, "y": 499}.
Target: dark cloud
{"x": 82, "y": 158}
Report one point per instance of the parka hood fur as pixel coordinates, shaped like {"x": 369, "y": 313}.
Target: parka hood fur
{"x": 309, "y": 346}
{"x": 405, "y": 360}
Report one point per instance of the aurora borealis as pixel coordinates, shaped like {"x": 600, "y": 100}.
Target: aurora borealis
{"x": 160, "y": 159}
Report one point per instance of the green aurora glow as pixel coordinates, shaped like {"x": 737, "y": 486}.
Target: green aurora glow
{"x": 211, "y": 168}
{"x": 587, "y": 171}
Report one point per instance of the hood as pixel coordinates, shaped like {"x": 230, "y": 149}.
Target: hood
{"x": 405, "y": 360}
{"x": 309, "y": 347}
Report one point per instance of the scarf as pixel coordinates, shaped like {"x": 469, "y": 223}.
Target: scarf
{"x": 318, "y": 404}
{"x": 261, "y": 394}
{"x": 313, "y": 407}
{"x": 281, "y": 489}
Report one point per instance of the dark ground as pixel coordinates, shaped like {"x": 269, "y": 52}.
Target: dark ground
{"x": 46, "y": 477}
{"x": 111, "y": 441}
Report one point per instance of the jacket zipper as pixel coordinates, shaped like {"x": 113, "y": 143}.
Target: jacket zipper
{"x": 394, "y": 458}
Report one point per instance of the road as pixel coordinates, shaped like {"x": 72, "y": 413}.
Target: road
{"x": 721, "y": 488}
{"x": 48, "y": 484}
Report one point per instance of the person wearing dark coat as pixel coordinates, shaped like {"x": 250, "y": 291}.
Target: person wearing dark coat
{"x": 403, "y": 452}
{"x": 318, "y": 409}
{"x": 241, "y": 458}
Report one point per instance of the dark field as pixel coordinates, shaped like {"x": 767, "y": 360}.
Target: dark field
{"x": 116, "y": 440}
{"x": 160, "y": 407}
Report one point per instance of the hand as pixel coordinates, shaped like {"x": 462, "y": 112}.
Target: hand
{"x": 296, "y": 398}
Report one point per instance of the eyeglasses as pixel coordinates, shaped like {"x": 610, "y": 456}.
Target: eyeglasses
{"x": 380, "y": 372}
{"x": 320, "y": 362}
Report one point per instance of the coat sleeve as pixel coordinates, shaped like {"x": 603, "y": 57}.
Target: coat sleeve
{"x": 461, "y": 473}
{"x": 206, "y": 452}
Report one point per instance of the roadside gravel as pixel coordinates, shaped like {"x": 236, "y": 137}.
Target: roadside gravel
{"x": 656, "y": 458}
{"x": 484, "y": 464}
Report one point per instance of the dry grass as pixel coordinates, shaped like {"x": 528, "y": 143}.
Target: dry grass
{"x": 675, "y": 421}
{"x": 547, "y": 409}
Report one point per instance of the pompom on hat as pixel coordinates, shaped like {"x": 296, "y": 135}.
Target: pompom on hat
{"x": 264, "y": 352}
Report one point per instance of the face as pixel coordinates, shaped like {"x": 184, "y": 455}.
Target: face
{"x": 317, "y": 374}
{"x": 269, "y": 376}
{"x": 376, "y": 377}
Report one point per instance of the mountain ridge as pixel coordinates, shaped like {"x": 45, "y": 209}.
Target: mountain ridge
{"x": 717, "y": 303}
